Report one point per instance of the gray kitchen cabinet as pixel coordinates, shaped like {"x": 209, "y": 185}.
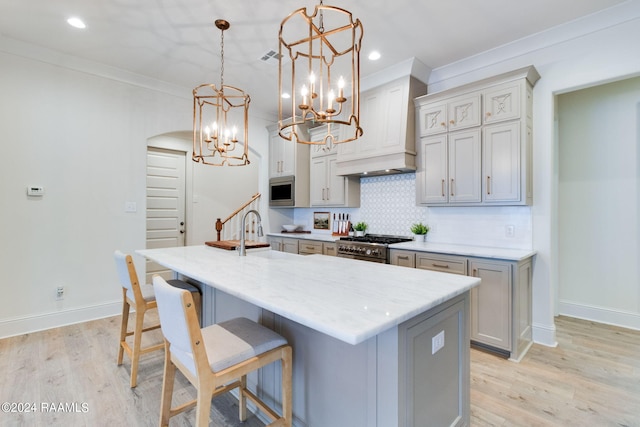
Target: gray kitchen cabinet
{"x": 500, "y": 309}
{"x": 445, "y": 263}
{"x": 287, "y": 158}
{"x": 275, "y": 243}
{"x": 308, "y": 247}
{"x": 434, "y": 349}
{"x": 330, "y": 249}
{"x": 283, "y": 244}
{"x": 491, "y": 304}
{"x": 449, "y": 115}
{"x": 498, "y": 169}
{"x": 402, "y": 258}
{"x": 449, "y": 168}
{"x": 326, "y": 187}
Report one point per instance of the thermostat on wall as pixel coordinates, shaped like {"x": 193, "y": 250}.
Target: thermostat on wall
{"x": 33, "y": 190}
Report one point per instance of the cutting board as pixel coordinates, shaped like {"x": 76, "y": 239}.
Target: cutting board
{"x": 231, "y": 245}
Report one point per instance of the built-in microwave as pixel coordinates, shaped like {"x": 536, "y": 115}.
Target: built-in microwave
{"x": 282, "y": 191}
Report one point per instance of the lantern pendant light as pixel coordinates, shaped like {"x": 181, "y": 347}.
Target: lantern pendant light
{"x": 319, "y": 68}
{"x": 220, "y": 119}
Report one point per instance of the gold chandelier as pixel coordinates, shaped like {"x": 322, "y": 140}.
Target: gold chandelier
{"x": 322, "y": 78}
{"x": 220, "y": 119}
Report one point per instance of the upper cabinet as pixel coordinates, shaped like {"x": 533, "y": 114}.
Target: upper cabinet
{"x": 286, "y": 158}
{"x": 326, "y": 187}
{"x": 474, "y": 143}
{"x": 449, "y": 115}
{"x": 388, "y": 122}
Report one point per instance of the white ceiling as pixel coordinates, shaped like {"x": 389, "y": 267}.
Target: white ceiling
{"x": 175, "y": 40}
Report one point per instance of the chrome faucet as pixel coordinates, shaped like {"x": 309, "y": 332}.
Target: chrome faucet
{"x": 243, "y": 248}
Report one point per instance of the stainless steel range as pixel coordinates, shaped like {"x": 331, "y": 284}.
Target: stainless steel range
{"x": 372, "y": 247}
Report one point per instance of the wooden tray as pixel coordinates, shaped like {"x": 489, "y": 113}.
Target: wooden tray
{"x": 231, "y": 245}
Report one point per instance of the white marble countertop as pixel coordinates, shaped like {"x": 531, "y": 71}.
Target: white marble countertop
{"x": 307, "y": 236}
{"x": 475, "y": 251}
{"x": 344, "y": 298}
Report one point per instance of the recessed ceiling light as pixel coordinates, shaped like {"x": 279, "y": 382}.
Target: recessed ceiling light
{"x": 76, "y": 22}
{"x": 374, "y": 56}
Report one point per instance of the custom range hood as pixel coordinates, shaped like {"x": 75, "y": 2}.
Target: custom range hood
{"x": 387, "y": 117}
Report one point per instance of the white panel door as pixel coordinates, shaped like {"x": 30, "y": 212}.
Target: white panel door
{"x": 165, "y": 204}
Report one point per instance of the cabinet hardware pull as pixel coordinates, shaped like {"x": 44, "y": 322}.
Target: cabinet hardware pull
{"x": 323, "y": 194}
{"x": 328, "y": 197}
{"x": 452, "y": 187}
{"x": 441, "y": 265}
{"x": 403, "y": 257}
{"x": 488, "y": 184}
{"x": 474, "y": 272}
{"x": 488, "y": 113}
{"x": 452, "y": 122}
{"x": 442, "y": 185}
{"x": 443, "y": 124}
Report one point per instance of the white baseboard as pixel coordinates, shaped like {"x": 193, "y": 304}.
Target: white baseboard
{"x": 625, "y": 319}
{"x": 544, "y": 334}
{"x": 28, "y": 324}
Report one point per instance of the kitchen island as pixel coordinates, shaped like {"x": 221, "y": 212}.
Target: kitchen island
{"x": 374, "y": 344}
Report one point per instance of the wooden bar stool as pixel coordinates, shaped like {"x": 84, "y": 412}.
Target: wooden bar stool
{"x": 216, "y": 359}
{"x": 142, "y": 299}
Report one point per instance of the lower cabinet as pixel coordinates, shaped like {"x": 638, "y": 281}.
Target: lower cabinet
{"x": 308, "y": 247}
{"x": 500, "y": 311}
{"x": 283, "y": 244}
{"x": 302, "y": 246}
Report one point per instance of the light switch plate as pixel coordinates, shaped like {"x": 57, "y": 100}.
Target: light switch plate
{"x": 437, "y": 342}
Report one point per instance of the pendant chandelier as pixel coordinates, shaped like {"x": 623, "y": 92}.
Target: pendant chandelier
{"x": 319, "y": 68}
{"x": 220, "y": 119}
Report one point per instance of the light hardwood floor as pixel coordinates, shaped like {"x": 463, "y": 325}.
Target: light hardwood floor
{"x": 591, "y": 379}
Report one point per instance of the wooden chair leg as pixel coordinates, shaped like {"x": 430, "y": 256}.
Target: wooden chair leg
{"x": 123, "y": 329}
{"x": 137, "y": 343}
{"x": 203, "y": 406}
{"x": 287, "y": 386}
{"x": 242, "y": 399}
{"x": 167, "y": 388}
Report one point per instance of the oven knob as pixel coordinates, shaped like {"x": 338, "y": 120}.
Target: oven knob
{"x": 375, "y": 252}
{"x": 352, "y": 249}
{"x": 369, "y": 252}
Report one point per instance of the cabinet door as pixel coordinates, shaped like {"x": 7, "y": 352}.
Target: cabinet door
{"x": 464, "y": 167}
{"x": 432, "y": 118}
{"x": 463, "y": 112}
{"x": 288, "y": 158}
{"x": 329, "y": 249}
{"x": 275, "y": 242}
{"x": 335, "y": 183}
{"x": 433, "y": 184}
{"x": 501, "y": 162}
{"x": 290, "y": 245}
{"x": 318, "y": 181}
{"x": 402, "y": 258}
{"x": 276, "y": 147}
{"x": 502, "y": 102}
{"x": 491, "y": 304}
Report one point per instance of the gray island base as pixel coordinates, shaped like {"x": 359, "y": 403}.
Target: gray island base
{"x": 375, "y": 345}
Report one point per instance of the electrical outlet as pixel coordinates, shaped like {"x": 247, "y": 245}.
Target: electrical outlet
{"x": 60, "y": 292}
{"x": 510, "y": 231}
{"x": 437, "y": 342}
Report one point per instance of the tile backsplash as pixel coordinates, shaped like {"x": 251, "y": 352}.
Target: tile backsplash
{"x": 388, "y": 206}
